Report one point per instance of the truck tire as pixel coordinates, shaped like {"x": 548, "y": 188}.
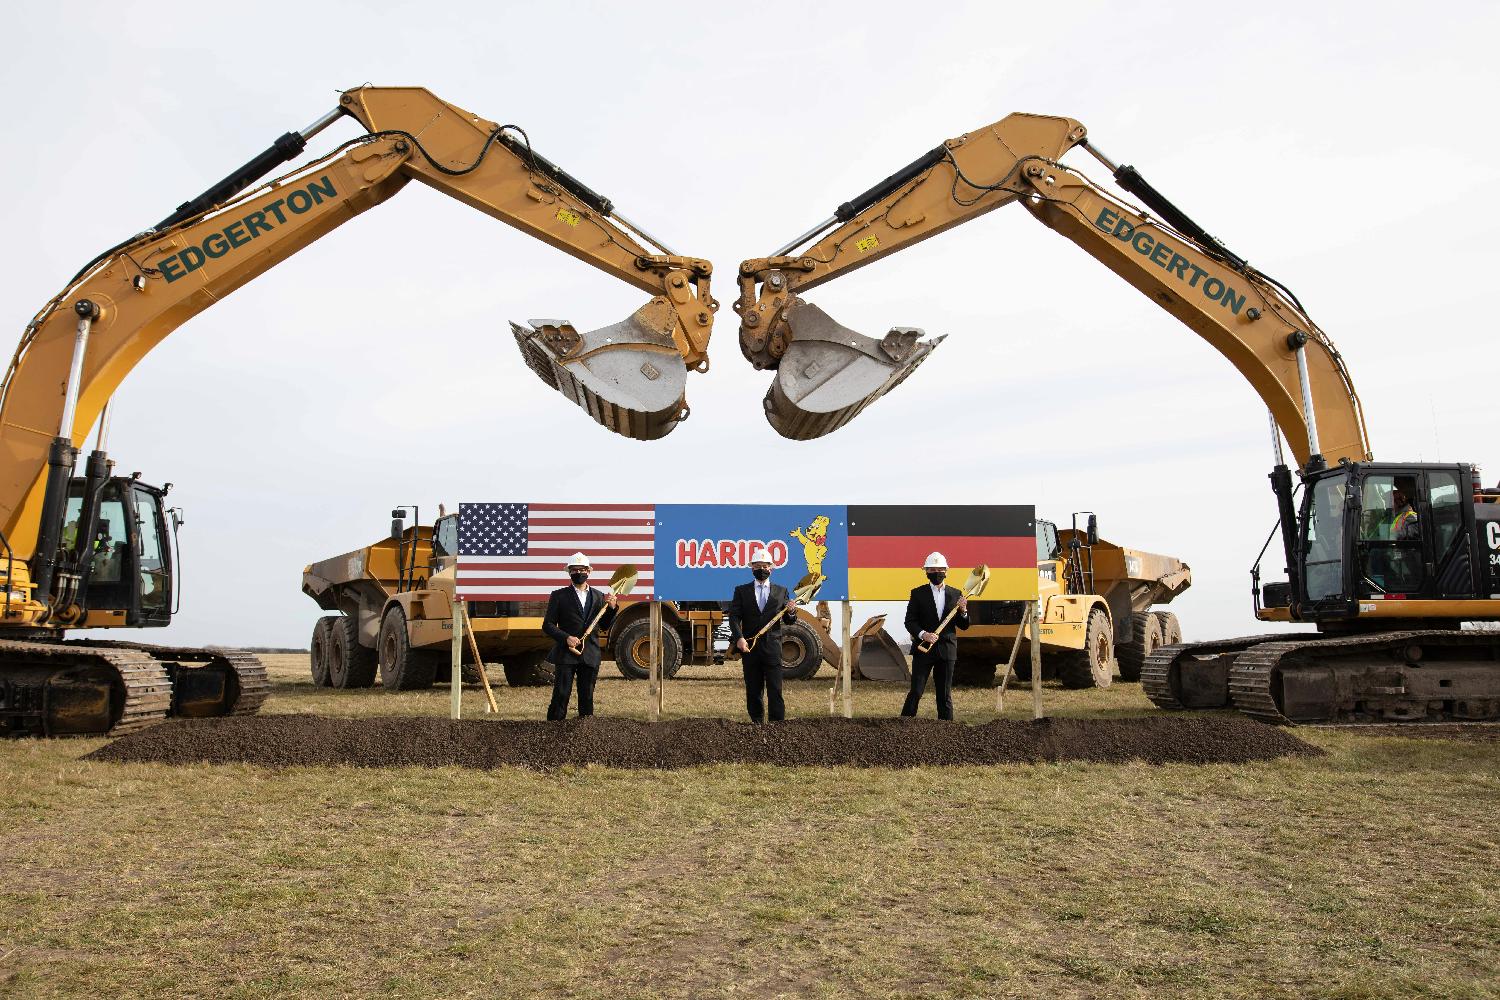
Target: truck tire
{"x": 1145, "y": 636}
{"x": 633, "y": 650}
{"x": 403, "y": 668}
{"x": 1094, "y": 665}
{"x": 976, "y": 671}
{"x": 801, "y": 653}
{"x": 1171, "y": 629}
{"x": 322, "y": 650}
{"x": 351, "y": 665}
{"x": 531, "y": 669}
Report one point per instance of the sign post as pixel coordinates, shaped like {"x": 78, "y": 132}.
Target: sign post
{"x": 846, "y": 669}
{"x": 1036, "y": 660}
{"x": 455, "y": 685}
{"x": 661, "y": 666}
{"x": 654, "y": 711}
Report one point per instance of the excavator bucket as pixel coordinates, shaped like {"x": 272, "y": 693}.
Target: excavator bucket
{"x": 630, "y": 377}
{"x": 829, "y": 373}
{"x": 876, "y": 655}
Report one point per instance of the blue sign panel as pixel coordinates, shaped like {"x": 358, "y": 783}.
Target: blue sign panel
{"x": 703, "y": 550}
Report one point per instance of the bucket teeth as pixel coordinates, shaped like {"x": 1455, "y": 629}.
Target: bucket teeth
{"x": 628, "y": 376}
{"x": 829, "y": 373}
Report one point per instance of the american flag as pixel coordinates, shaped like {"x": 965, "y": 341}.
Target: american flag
{"x": 519, "y": 551}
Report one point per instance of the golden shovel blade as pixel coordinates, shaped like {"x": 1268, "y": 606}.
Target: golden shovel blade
{"x": 807, "y": 587}
{"x": 979, "y": 578}
{"x": 622, "y": 581}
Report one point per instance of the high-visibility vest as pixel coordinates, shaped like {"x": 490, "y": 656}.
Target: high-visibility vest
{"x": 1404, "y": 517}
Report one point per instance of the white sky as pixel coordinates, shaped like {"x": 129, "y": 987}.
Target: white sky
{"x": 1342, "y": 147}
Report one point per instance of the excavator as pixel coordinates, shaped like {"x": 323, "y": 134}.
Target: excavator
{"x": 92, "y": 550}
{"x": 1387, "y": 559}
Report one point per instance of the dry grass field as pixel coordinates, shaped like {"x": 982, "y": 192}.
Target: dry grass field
{"x": 1370, "y": 872}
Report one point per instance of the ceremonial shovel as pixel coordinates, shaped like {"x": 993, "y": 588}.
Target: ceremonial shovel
{"x": 973, "y": 585}
{"x": 621, "y": 581}
{"x": 801, "y": 594}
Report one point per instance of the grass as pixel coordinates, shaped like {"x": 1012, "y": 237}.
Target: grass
{"x": 1369, "y": 873}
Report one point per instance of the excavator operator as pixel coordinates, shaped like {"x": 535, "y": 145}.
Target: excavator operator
{"x": 1404, "y": 525}
{"x": 1393, "y": 557}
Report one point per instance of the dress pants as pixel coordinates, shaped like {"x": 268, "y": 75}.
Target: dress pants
{"x": 562, "y": 689}
{"x": 763, "y": 670}
{"x": 941, "y": 670}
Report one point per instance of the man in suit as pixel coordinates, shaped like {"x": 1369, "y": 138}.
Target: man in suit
{"x": 570, "y": 609}
{"x": 754, "y": 604}
{"x": 924, "y": 610}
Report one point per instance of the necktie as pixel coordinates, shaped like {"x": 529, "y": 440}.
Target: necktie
{"x": 760, "y": 596}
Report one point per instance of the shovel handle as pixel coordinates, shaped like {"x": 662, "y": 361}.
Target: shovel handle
{"x": 767, "y": 626}
{"x": 586, "y": 631}
{"x": 926, "y": 647}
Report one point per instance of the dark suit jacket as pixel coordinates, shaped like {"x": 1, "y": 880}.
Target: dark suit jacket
{"x": 565, "y": 617}
{"x": 922, "y": 616}
{"x": 746, "y": 618}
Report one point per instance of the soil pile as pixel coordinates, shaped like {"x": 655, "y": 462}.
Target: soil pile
{"x": 300, "y": 740}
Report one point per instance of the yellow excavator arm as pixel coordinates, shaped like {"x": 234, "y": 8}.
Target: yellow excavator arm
{"x": 827, "y": 374}
{"x": 629, "y": 376}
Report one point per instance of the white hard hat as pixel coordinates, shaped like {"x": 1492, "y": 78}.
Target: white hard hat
{"x": 936, "y": 561}
{"x": 579, "y": 559}
{"x": 760, "y": 554}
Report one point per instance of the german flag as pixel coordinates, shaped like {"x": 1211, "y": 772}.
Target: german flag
{"x": 888, "y": 544}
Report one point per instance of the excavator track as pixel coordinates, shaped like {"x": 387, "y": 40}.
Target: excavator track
{"x": 57, "y": 689}
{"x": 1162, "y": 680}
{"x": 107, "y": 688}
{"x": 252, "y": 683}
{"x": 1415, "y": 676}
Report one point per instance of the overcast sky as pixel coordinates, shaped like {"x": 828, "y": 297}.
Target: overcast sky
{"x": 1344, "y": 148}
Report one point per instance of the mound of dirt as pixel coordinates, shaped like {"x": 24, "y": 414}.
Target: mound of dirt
{"x": 301, "y": 740}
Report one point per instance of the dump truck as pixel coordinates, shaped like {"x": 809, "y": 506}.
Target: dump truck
{"x": 1097, "y": 617}
{"x": 394, "y": 618}
{"x": 394, "y": 614}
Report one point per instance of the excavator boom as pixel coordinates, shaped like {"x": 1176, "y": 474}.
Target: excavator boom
{"x": 629, "y": 376}
{"x": 826, "y": 374}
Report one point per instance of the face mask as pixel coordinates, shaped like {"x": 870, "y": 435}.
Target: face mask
{"x": 937, "y": 576}
{"x": 578, "y": 578}
{"x": 761, "y": 573}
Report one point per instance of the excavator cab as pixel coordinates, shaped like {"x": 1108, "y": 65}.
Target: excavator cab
{"x": 125, "y": 572}
{"x": 1372, "y": 533}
